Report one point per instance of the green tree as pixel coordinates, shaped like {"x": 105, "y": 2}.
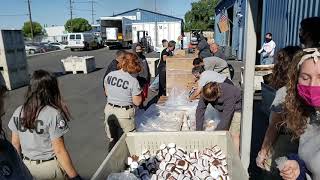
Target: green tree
{"x": 77, "y": 25}
{"x": 201, "y": 15}
{"x": 37, "y": 29}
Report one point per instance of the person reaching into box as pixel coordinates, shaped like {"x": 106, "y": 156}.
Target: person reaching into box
{"x": 202, "y": 77}
{"x": 226, "y": 99}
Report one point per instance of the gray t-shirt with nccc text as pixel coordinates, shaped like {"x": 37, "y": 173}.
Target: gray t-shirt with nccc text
{"x": 36, "y": 143}
{"x": 121, "y": 87}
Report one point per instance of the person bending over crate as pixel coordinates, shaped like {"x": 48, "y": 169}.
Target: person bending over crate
{"x": 202, "y": 77}
{"x": 226, "y": 99}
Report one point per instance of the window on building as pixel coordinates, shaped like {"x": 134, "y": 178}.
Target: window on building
{"x": 138, "y": 16}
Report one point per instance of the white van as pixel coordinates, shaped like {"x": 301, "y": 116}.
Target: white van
{"x": 83, "y": 41}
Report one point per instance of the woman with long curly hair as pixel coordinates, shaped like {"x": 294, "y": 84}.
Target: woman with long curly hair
{"x": 38, "y": 127}
{"x": 302, "y": 115}
{"x": 279, "y": 77}
{"x": 277, "y": 141}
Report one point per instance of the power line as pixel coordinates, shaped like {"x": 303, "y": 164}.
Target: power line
{"x": 4, "y": 15}
{"x": 82, "y": 10}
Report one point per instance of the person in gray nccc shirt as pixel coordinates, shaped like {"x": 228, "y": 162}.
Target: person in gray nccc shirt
{"x": 38, "y": 127}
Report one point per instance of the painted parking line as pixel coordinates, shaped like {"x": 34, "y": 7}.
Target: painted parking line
{"x": 38, "y": 54}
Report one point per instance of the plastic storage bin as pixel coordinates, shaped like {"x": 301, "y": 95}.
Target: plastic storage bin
{"x": 76, "y": 64}
{"x": 136, "y": 143}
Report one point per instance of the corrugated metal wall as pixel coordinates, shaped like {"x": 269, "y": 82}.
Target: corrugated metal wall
{"x": 282, "y": 19}
{"x": 238, "y": 23}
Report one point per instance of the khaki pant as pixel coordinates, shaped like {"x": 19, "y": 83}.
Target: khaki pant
{"x": 49, "y": 170}
{"x": 235, "y": 123}
{"x": 118, "y": 121}
{"x": 235, "y": 129}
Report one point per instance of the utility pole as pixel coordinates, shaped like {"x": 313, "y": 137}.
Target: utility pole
{"x": 70, "y": 2}
{"x": 92, "y": 11}
{"x": 30, "y": 19}
{"x": 155, "y": 5}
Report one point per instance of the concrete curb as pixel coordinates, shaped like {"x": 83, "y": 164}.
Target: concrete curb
{"x": 33, "y": 55}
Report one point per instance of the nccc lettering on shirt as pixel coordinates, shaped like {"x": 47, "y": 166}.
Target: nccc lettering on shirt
{"x": 37, "y": 129}
{"x": 114, "y": 81}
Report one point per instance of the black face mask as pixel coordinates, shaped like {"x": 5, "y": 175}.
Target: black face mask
{"x": 268, "y": 40}
{"x": 301, "y": 39}
{"x": 140, "y": 54}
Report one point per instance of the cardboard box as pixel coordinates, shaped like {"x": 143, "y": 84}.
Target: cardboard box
{"x": 179, "y": 73}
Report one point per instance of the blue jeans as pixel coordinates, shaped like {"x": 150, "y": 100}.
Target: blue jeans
{"x": 266, "y": 60}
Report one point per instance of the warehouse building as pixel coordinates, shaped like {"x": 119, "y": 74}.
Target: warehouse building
{"x": 158, "y": 26}
{"x": 55, "y": 34}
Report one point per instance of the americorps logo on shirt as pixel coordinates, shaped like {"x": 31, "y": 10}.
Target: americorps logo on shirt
{"x": 5, "y": 169}
{"x": 61, "y": 123}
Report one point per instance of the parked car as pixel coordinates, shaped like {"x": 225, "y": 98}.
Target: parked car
{"x": 48, "y": 47}
{"x": 60, "y": 45}
{"x": 33, "y": 48}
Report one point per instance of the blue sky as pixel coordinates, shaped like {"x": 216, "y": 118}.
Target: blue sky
{"x": 56, "y": 12}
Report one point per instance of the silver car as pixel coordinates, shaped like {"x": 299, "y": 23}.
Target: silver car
{"x": 33, "y": 49}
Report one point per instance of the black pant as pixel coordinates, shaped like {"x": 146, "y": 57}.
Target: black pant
{"x": 162, "y": 80}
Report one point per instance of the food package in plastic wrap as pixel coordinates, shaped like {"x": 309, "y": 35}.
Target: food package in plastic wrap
{"x": 176, "y": 114}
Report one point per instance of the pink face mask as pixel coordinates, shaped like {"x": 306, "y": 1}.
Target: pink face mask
{"x": 310, "y": 94}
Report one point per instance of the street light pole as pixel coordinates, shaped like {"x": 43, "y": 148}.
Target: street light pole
{"x": 30, "y": 19}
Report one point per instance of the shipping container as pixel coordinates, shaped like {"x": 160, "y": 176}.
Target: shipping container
{"x": 15, "y": 77}
{"x": 116, "y": 31}
{"x": 164, "y": 30}
{"x": 12, "y": 50}
{"x": 13, "y": 60}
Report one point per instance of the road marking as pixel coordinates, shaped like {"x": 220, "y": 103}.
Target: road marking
{"x": 50, "y": 52}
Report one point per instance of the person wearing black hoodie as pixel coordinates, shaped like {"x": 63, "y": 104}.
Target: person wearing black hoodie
{"x": 203, "y": 47}
{"x": 144, "y": 76}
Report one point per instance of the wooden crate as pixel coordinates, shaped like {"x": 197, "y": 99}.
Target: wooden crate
{"x": 179, "y": 73}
